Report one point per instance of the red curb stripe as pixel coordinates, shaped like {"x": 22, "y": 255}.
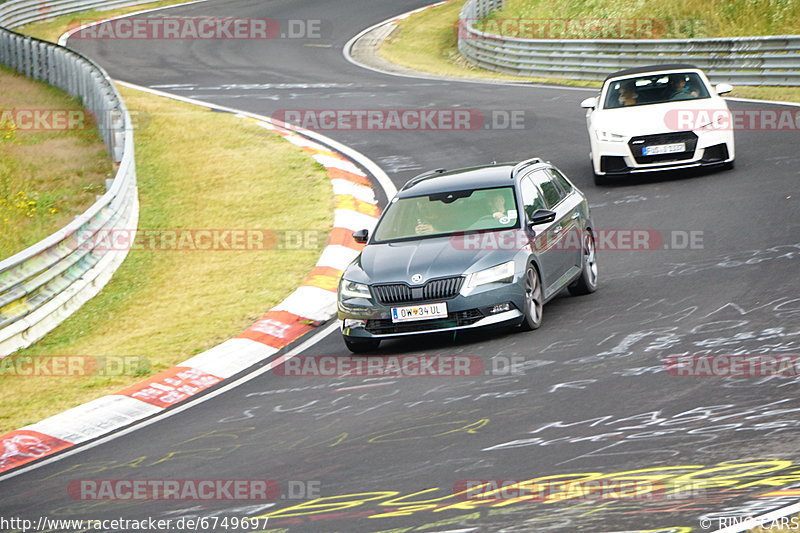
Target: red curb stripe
{"x": 314, "y": 151}
{"x": 324, "y": 277}
{"x": 346, "y": 201}
{"x": 171, "y": 386}
{"x": 277, "y": 329}
{"x": 344, "y": 237}
{"x": 22, "y": 446}
{"x": 339, "y": 174}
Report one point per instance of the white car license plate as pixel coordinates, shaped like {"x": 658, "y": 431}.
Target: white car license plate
{"x": 419, "y": 312}
{"x": 664, "y": 149}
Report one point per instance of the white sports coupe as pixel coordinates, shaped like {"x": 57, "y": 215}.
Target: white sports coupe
{"x": 662, "y": 117}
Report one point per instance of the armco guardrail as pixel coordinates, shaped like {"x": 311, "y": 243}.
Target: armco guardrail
{"x": 773, "y": 60}
{"x": 44, "y": 284}
{"x": 18, "y": 12}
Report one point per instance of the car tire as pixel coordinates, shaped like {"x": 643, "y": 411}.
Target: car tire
{"x": 587, "y": 282}
{"x": 534, "y": 300}
{"x": 360, "y": 345}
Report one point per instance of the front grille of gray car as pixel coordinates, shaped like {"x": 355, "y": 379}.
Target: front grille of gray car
{"x": 436, "y": 289}
{"x": 459, "y": 318}
{"x": 396, "y": 292}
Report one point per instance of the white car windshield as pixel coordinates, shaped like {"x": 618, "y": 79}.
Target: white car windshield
{"x": 655, "y": 89}
{"x": 447, "y": 213}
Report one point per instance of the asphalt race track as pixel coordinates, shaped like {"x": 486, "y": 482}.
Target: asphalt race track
{"x": 588, "y": 393}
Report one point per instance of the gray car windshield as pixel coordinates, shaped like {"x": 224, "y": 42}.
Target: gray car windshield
{"x": 655, "y": 89}
{"x": 447, "y": 213}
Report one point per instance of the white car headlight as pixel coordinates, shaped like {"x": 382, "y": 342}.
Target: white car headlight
{"x": 503, "y": 273}
{"x": 351, "y": 289}
{"x": 609, "y": 137}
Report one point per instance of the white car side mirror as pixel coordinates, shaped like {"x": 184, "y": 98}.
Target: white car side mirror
{"x": 589, "y": 103}
{"x": 724, "y": 88}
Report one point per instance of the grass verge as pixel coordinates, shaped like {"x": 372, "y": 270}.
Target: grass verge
{"x": 426, "y": 42}
{"x": 50, "y": 169}
{"x": 196, "y": 169}
{"x": 667, "y": 19}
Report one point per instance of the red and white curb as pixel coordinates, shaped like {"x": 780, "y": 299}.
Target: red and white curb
{"x": 311, "y": 304}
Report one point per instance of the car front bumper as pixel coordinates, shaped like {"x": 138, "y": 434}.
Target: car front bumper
{"x": 368, "y": 318}
{"x": 711, "y": 148}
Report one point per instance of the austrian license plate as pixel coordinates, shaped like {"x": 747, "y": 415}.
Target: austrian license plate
{"x": 664, "y": 149}
{"x": 419, "y": 312}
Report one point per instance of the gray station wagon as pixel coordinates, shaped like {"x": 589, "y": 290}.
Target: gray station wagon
{"x": 468, "y": 248}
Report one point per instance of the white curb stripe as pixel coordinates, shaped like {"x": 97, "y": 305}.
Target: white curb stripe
{"x": 299, "y": 140}
{"x": 94, "y": 418}
{"x": 361, "y": 192}
{"x": 337, "y": 256}
{"x": 230, "y": 357}
{"x": 353, "y": 220}
{"x": 335, "y": 162}
{"x": 309, "y": 302}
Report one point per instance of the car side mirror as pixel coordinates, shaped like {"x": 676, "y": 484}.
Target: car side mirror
{"x": 361, "y": 236}
{"x": 542, "y": 216}
{"x": 724, "y": 88}
{"x": 589, "y": 103}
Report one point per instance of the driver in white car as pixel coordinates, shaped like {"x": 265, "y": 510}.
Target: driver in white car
{"x": 680, "y": 90}
{"x": 628, "y": 94}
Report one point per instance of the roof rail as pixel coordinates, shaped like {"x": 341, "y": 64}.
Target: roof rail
{"x": 421, "y": 177}
{"x": 522, "y": 164}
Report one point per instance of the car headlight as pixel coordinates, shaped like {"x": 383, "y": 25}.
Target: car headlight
{"x": 609, "y": 137}
{"x": 351, "y": 289}
{"x": 497, "y": 274}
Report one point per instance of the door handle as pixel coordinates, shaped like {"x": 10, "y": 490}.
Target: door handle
{"x": 576, "y": 216}
{"x": 557, "y": 230}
